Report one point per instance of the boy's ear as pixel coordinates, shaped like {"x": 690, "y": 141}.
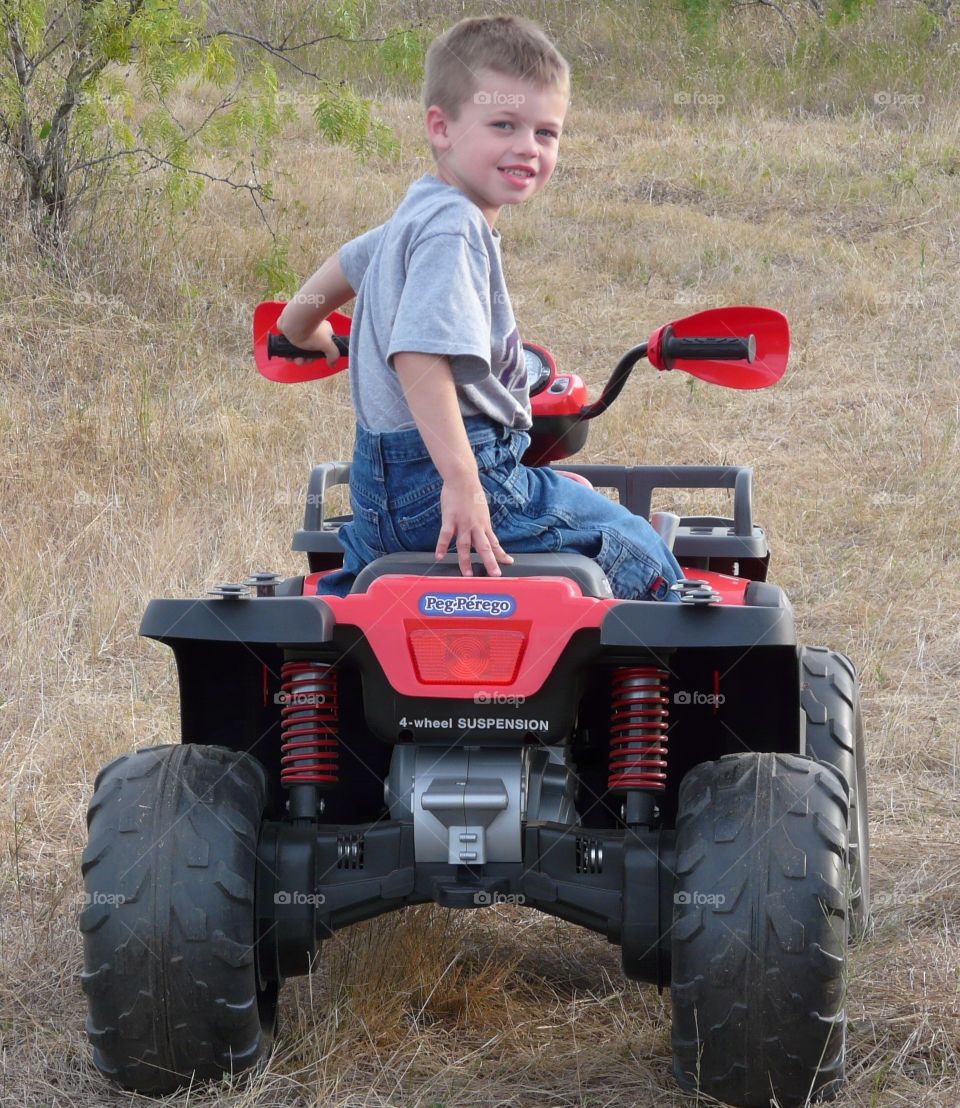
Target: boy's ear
{"x": 436, "y": 124}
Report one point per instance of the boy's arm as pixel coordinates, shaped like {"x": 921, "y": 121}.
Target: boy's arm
{"x": 431, "y": 394}
{"x": 322, "y": 294}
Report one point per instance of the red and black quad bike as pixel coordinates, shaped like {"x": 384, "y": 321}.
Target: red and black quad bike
{"x": 684, "y": 779}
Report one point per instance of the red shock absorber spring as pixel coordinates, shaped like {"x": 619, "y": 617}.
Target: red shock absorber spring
{"x": 638, "y": 729}
{"x": 309, "y": 724}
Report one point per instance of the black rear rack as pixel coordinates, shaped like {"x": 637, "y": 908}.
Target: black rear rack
{"x": 726, "y": 545}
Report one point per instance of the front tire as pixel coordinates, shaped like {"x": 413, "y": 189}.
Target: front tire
{"x": 759, "y": 931}
{"x": 830, "y": 697}
{"x": 170, "y": 966}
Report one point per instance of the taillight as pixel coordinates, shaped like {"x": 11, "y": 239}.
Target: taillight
{"x": 460, "y": 655}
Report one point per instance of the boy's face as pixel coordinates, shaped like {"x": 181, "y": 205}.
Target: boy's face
{"x": 507, "y": 125}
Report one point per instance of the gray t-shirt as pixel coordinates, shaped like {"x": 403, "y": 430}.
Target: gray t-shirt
{"x": 430, "y": 280}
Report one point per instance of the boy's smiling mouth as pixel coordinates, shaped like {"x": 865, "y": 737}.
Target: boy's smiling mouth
{"x": 517, "y": 172}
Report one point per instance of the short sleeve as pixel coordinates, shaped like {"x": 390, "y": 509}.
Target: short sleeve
{"x": 355, "y": 255}
{"x": 444, "y": 306}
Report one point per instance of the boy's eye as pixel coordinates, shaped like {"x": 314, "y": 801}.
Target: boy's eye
{"x": 543, "y": 130}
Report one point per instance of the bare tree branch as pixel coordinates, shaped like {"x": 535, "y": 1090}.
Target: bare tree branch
{"x": 769, "y": 4}
{"x": 281, "y": 51}
{"x": 160, "y": 159}
{"x": 36, "y": 62}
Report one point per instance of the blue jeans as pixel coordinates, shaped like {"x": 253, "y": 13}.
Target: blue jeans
{"x": 395, "y": 497}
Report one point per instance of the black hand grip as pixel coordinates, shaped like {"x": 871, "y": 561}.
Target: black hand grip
{"x": 279, "y": 346}
{"x": 710, "y": 349}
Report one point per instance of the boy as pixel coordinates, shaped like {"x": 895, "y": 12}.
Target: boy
{"x": 437, "y": 373}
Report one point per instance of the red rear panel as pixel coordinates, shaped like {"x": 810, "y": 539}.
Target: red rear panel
{"x": 436, "y": 636}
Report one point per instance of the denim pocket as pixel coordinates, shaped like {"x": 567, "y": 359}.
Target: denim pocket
{"x": 630, "y": 571}
{"x": 504, "y": 482}
{"x": 420, "y": 530}
{"x": 368, "y": 525}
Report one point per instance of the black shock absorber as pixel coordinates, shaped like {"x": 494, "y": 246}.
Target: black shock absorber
{"x": 638, "y": 738}
{"x": 310, "y": 733}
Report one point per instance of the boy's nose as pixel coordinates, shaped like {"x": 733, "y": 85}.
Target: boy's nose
{"x": 524, "y": 142}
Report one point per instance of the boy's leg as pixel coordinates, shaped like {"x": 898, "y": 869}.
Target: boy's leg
{"x": 362, "y": 538}
{"x": 537, "y": 509}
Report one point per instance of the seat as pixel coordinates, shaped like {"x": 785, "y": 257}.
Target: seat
{"x": 585, "y": 572}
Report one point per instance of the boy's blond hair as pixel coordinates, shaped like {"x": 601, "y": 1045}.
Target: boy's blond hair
{"x": 506, "y": 44}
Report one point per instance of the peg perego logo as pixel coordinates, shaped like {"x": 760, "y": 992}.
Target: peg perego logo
{"x": 467, "y": 604}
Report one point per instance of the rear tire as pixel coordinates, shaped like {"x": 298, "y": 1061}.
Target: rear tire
{"x": 759, "y": 931}
{"x": 170, "y": 967}
{"x": 830, "y": 697}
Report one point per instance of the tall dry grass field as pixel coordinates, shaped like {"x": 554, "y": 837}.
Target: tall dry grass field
{"x": 143, "y": 456}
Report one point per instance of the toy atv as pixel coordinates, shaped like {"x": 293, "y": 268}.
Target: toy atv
{"x": 684, "y": 779}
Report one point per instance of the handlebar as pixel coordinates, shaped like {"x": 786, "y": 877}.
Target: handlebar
{"x": 279, "y": 346}
{"x": 709, "y": 349}
{"x": 729, "y": 349}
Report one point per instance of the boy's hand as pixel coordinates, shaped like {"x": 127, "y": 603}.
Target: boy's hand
{"x": 465, "y": 516}
{"x": 322, "y": 340}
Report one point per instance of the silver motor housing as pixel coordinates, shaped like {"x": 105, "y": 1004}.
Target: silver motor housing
{"x": 469, "y": 804}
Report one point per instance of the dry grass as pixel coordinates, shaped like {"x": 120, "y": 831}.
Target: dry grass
{"x": 143, "y": 456}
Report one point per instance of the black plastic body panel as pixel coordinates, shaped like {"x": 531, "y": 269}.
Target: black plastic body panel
{"x": 649, "y": 625}
{"x": 278, "y": 620}
{"x": 627, "y": 897}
